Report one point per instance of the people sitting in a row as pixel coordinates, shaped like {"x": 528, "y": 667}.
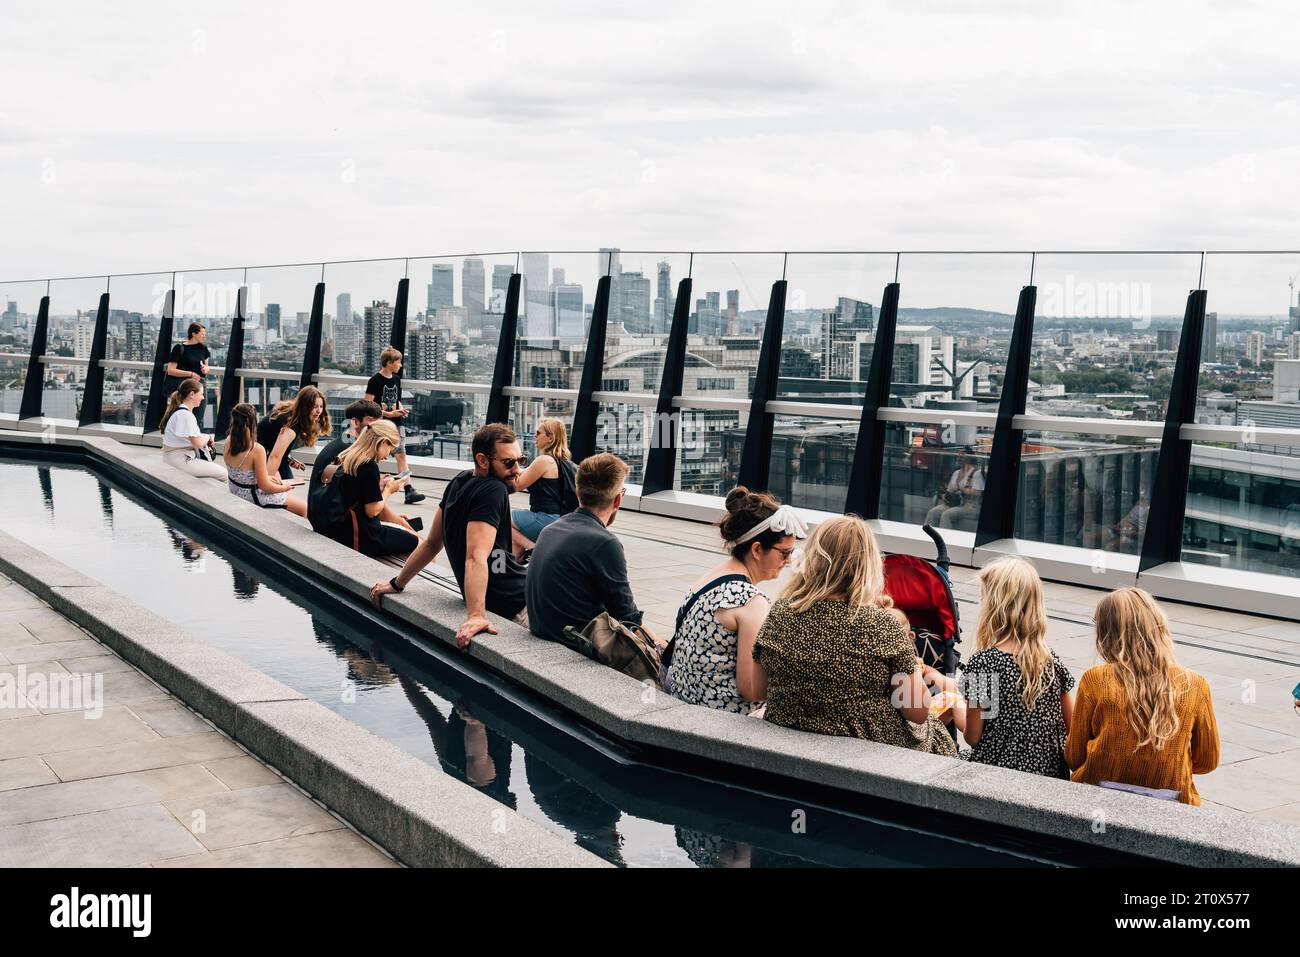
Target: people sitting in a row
{"x": 549, "y": 479}
{"x": 246, "y": 468}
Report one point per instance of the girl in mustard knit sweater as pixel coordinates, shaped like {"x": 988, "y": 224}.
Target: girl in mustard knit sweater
{"x": 1140, "y": 718}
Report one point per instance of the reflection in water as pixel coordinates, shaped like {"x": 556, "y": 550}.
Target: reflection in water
{"x": 467, "y": 749}
{"x": 186, "y": 547}
{"x": 47, "y": 487}
{"x": 245, "y": 584}
{"x": 709, "y": 850}
{"x": 364, "y": 669}
{"x": 106, "y": 503}
{"x": 592, "y": 819}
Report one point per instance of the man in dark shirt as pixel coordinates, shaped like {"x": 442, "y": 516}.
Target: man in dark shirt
{"x": 359, "y": 414}
{"x": 473, "y": 524}
{"x": 578, "y": 569}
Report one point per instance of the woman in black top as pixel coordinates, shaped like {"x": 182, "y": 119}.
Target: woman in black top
{"x": 378, "y": 530}
{"x": 189, "y": 360}
{"x": 293, "y": 423}
{"x": 544, "y": 483}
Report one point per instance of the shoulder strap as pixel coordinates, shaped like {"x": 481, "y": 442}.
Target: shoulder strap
{"x": 704, "y": 589}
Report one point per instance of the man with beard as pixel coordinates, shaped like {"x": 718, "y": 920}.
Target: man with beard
{"x": 473, "y": 524}
{"x": 578, "y": 568}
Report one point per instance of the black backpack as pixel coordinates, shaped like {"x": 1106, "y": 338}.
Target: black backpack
{"x": 330, "y": 512}
{"x": 568, "y": 485}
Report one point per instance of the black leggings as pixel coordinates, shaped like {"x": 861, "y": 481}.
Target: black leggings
{"x": 379, "y": 539}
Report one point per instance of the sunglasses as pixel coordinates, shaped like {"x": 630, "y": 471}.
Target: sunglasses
{"x": 511, "y": 463}
{"x": 787, "y": 553}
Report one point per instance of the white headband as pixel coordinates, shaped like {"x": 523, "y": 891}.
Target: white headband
{"x": 784, "y": 519}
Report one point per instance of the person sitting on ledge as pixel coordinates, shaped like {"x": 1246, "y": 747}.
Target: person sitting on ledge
{"x": 245, "y": 461}
{"x": 378, "y": 530}
{"x": 1140, "y": 718}
{"x": 838, "y": 659}
{"x": 473, "y": 523}
{"x": 713, "y": 648}
{"x": 359, "y": 414}
{"x": 578, "y": 569}
{"x": 184, "y": 446}
{"x": 544, "y": 483}
{"x": 293, "y": 423}
{"x": 1017, "y": 691}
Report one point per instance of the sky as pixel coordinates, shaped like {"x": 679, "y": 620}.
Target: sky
{"x": 155, "y": 136}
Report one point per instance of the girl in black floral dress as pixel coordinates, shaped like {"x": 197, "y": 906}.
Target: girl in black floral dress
{"x": 1017, "y": 691}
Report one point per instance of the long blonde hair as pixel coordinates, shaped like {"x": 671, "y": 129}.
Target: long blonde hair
{"x": 1012, "y": 613}
{"x": 366, "y": 447}
{"x": 1133, "y": 636}
{"x": 559, "y": 437}
{"x": 840, "y": 560}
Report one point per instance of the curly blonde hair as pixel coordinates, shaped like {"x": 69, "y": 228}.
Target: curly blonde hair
{"x": 1133, "y": 636}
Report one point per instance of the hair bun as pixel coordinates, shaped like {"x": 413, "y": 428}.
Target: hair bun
{"x": 738, "y": 499}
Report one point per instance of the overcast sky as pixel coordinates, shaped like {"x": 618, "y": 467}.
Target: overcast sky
{"x": 139, "y": 136}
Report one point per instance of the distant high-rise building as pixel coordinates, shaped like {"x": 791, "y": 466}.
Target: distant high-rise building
{"x": 345, "y": 342}
{"x": 1293, "y": 346}
{"x": 1167, "y": 340}
{"x": 733, "y": 310}
{"x": 634, "y": 302}
{"x": 557, "y": 276}
{"x": 1210, "y": 338}
{"x": 500, "y": 288}
{"x": 663, "y": 315}
{"x": 854, "y": 316}
{"x": 1255, "y": 348}
{"x": 426, "y": 355}
{"x": 442, "y": 292}
{"x": 85, "y": 336}
{"x": 1293, "y": 313}
{"x": 378, "y": 332}
{"x": 569, "y": 318}
{"x": 273, "y": 326}
{"x": 472, "y": 286}
{"x": 537, "y": 294}
{"x": 135, "y": 340}
{"x": 344, "y": 304}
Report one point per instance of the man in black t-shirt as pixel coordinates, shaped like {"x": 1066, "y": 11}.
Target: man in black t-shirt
{"x": 473, "y": 524}
{"x": 189, "y": 360}
{"x": 385, "y": 388}
{"x": 359, "y": 414}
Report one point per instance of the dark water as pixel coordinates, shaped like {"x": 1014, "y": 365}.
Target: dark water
{"x": 514, "y": 748}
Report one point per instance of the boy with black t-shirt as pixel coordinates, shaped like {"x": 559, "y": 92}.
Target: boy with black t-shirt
{"x": 473, "y": 524}
{"x": 385, "y": 388}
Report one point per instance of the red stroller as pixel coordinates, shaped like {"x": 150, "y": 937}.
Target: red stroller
{"x": 923, "y": 592}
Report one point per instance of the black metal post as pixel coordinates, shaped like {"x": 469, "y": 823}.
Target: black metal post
{"x": 315, "y": 329}
{"x": 582, "y": 440}
{"x": 755, "y": 458}
{"x": 92, "y": 395}
{"x": 398, "y": 339}
{"x": 230, "y": 388}
{"x": 863, "y": 497}
{"x": 1002, "y": 481}
{"x": 665, "y": 430}
{"x": 498, "y": 409}
{"x": 1163, "y": 541}
{"x": 34, "y": 384}
{"x": 158, "y": 383}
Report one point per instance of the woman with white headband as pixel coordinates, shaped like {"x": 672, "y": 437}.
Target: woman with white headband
{"x": 712, "y": 651}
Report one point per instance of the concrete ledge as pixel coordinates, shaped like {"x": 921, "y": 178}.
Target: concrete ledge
{"x": 421, "y": 815}
{"x": 622, "y": 707}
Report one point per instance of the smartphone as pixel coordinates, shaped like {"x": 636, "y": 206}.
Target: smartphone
{"x": 293, "y": 482}
{"x": 405, "y": 473}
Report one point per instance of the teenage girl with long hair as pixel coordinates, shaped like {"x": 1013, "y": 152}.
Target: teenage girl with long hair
{"x": 183, "y": 443}
{"x": 1141, "y": 718}
{"x": 293, "y": 423}
{"x": 379, "y": 530}
{"x": 247, "y": 473}
{"x": 544, "y": 484}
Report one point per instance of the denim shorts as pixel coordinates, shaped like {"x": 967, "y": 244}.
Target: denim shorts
{"x": 531, "y": 523}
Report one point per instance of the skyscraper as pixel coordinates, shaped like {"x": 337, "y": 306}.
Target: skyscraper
{"x": 273, "y": 320}
{"x": 733, "y": 310}
{"x": 634, "y": 302}
{"x": 135, "y": 340}
{"x": 537, "y": 293}
{"x": 344, "y": 303}
{"x": 664, "y": 298}
{"x": 1255, "y": 348}
{"x": 500, "y": 288}
{"x": 1210, "y": 338}
{"x": 569, "y": 317}
{"x": 471, "y": 293}
{"x": 378, "y": 332}
{"x": 442, "y": 293}
{"x": 426, "y": 355}
{"x": 345, "y": 342}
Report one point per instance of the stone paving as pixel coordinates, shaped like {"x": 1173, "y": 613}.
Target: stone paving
{"x": 137, "y": 779}
{"x": 1251, "y": 663}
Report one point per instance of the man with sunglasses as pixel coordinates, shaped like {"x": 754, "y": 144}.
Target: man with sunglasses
{"x": 473, "y": 524}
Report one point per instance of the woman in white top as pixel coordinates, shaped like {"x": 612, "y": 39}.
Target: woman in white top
{"x": 959, "y": 505}
{"x": 182, "y": 438}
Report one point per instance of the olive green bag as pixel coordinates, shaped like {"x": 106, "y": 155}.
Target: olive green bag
{"x": 628, "y": 648}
